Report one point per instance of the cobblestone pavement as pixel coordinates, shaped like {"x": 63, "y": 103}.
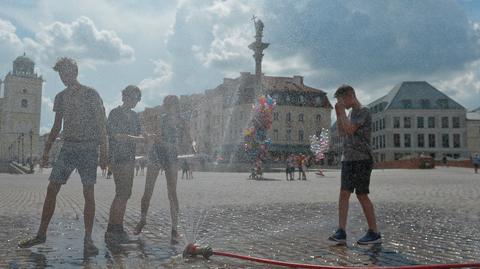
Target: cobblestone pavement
{"x": 425, "y": 216}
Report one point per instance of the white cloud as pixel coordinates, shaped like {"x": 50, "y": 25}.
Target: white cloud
{"x": 153, "y": 87}
{"x": 463, "y": 86}
{"x": 10, "y": 43}
{"x": 79, "y": 39}
{"x": 46, "y": 101}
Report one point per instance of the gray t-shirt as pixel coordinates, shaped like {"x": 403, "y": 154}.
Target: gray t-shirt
{"x": 356, "y": 147}
{"x": 122, "y": 121}
{"x": 83, "y": 114}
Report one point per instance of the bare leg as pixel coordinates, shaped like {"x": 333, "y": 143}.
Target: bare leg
{"x": 171, "y": 173}
{"x": 48, "y": 207}
{"x": 123, "y": 176}
{"x": 343, "y": 209}
{"x": 151, "y": 178}
{"x": 368, "y": 210}
{"x": 89, "y": 209}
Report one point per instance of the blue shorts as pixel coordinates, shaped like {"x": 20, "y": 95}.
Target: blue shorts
{"x": 80, "y": 156}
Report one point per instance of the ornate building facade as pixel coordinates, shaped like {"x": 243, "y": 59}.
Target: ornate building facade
{"x": 20, "y": 108}
{"x": 216, "y": 119}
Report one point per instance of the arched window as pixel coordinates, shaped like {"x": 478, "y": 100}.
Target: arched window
{"x": 24, "y": 103}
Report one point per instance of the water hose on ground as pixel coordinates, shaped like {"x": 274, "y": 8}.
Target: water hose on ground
{"x": 193, "y": 250}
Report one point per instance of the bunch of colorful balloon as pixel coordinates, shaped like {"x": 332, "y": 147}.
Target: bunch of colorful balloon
{"x": 255, "y": 137}
{"x": 319, "y": 146}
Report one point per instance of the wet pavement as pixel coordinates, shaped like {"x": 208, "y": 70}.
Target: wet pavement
{"x": 425, "y": 216}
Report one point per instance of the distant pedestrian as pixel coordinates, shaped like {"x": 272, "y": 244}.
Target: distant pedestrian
{"x": 357, "y": 163}
{"x": 290, "y": 168}
{"x": 476, "y": 162}
{"x": 137, "y": 168}
{"x": 142, "y": 166}
{"x": 184, "y": 169}
{"x": 445, "y": 161}
{"x": 79, "y": 110}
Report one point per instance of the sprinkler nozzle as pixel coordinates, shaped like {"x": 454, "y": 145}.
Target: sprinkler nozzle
{"x": 192, "y": 250}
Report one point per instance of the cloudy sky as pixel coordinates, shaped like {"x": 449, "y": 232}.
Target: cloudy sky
{"x": 188, "y": 46}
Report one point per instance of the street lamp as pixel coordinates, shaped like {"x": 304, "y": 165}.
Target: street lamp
{"x": 18, "y": 149}
{"x": 23, "y": 152}
{"x": 31, "y": 150}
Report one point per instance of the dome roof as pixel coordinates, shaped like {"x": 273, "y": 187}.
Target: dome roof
{"x": 23, "y": 59}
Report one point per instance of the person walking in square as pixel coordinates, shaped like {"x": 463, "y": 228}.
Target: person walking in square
{"x": 164, "y": 154}
{"x": 81, "y": 111}
{"x": 124, "y": 131}
{"x": 357, "y": 163}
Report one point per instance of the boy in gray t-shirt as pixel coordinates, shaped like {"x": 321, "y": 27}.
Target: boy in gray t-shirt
{"x": 81, "y": 110}
{"x": 357, "y": 163}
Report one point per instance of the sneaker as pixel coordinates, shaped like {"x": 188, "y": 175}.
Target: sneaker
{"x": 370, "y": 237}
{"x": 116, "y": 238}
{"x": 30, "y": 242}
{"x": 340, "y": 236}
{"x": 89, "y": 249}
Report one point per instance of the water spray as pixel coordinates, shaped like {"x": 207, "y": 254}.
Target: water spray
{"x": 193, "y": 250}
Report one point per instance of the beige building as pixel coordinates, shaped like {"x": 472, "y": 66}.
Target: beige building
{"x": 217, "y": 119}
{"x": 473, "y": 131}
{"x": 20, "y": 107}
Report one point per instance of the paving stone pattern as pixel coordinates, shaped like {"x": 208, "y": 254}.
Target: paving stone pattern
{"x": 425, "y": 216}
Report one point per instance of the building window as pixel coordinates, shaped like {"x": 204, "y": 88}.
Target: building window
{"x": 431, "y": 140}
{"x": 288, "y": 117}
{"x": 383, "y": 123}
{"x": 287, "y": 98}
{"x": 300, "y": 117}
{"x": 288, "y": 135}
{"x": 275, "y": 116}
{"x": 396, "y": 122}
{"x": 421, "y": 140}
{"x": 420, "y": 122}
{"x": 407, "y": 103}
{"x": 396, "y": 140}
{"x": 456, "y": 140}
{"x": 318, "y": 118}
{"x": 456, "y": 122}
{"x": 318, "y": 100}
{"x": 445, "y": 141}
{"x": 407, "y": 122}
{"x": 275, "y": 134}
{"x": 431, "y": 122}
{"x": 442, "y": 103}
{"x": 425, "y": 103}
{"x": 407, "y": 140}
{"x": 383, "y": 141}
{"x": 24, "y": 90}
{"x": 24, "y": 103}
{"x": 300, "y": 135}
{"x": 444, "y": 122}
